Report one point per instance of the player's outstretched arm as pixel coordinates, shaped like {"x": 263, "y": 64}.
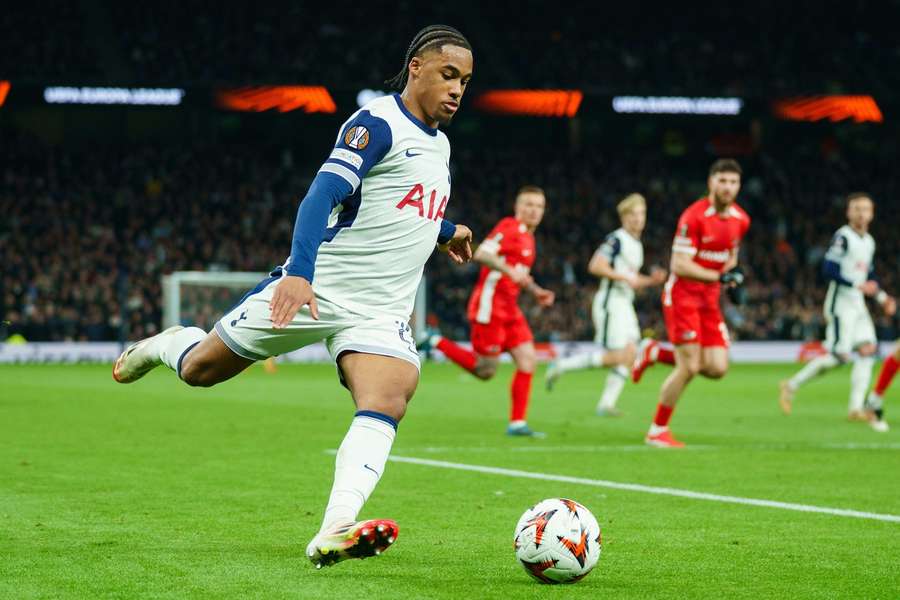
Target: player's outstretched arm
{"x": 458, "y": 244}
{"x": 492, "y": 260}
{"x": 294, "y": 290}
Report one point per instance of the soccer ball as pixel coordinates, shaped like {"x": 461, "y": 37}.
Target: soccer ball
{"x": 557, "y": 541}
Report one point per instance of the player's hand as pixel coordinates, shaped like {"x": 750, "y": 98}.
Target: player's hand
{"x": 291, "y": 294}
{"x": 869, "y": 288}
{"x": 658, "y": 275}
{"x": 459, "y": 248}
{"x": 733, "y": 278}
{"x": 545, "y": 298}
{"x": 890, "y": 306}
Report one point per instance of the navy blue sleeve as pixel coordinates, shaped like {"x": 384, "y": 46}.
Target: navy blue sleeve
{"x": 838, "y": 248}
{"x": 832, "y": 270}
{"x": 448, "y": 230}
{"x": 361, "y": 144}
{"x": 610, "y": 248}
{"x": 327, "y": 191}
{"x": 872, "y": 276}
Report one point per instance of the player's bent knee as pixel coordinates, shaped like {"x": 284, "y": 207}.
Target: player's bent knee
{"x": 715, "y": 371}
{"x": 485, "y": 372}
{"x": 485, "y": 368}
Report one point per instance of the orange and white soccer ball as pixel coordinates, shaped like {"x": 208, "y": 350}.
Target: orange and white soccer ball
{"x": 557, "y": 541}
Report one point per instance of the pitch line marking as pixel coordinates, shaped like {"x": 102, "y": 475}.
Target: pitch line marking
{"x": 850, "y": 446}
{"x": 648, "y": 489}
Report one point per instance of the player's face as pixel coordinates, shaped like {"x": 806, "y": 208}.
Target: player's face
{"x": 860, "y": 213}
{"x": 530, "y": 208}
{"x": 724, "y": 187}
{"x": 441, "y": 79}
{"x": 634, "y": 220}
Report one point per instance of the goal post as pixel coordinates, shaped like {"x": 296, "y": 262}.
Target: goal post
{"x": 200, "y": 298}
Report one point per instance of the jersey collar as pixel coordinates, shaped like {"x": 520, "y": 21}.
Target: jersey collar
{"x": 429, "y": 130}
{"x": 711, "y": 210}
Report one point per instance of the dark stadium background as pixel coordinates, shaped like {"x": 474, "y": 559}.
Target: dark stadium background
{"x": 98, "y": 202}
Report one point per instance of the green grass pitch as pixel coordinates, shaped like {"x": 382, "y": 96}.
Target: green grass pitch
{"x": 159, "y": 490}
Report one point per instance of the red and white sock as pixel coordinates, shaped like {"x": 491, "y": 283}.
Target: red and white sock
{"x": 520, "y": 394}
{"x": 888, "y": 370}
{"x": 661, "y": 418}
{"x": 464, "y": 358}
{"x": 665, "y": 356}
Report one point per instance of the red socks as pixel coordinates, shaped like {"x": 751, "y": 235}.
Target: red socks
{"x": 665, "y": 356}
{"x": 888, "y": 370}
{"x": 663, "y": 414}
{"x": 520, "y": 393}
{"x": 458, "y": 354}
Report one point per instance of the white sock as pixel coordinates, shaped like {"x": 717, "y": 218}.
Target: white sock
{"x": 875, "y": 402}
{"x": 860, "y": 378}
{"x": 657, "y": 429}
{"x": 171, "y": 347}
{"x": 615, "y": 383}
{"x": 586, "y": 360}
{"x": 359, "y": 464}
{"x": 819, "y": 364}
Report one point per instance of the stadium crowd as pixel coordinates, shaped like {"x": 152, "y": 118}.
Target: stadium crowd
{"x": 86, "y": 236}
{"x": 771, "y": 47}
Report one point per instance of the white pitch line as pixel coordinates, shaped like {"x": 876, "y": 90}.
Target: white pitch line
{"x": 648, "y": 489}
{"x": 538, "y": 448}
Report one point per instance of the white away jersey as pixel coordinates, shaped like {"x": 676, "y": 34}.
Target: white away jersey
{"x": 380, "y": 237}
{"x": 626, "y": 255}
{"x": 853, "y": 253}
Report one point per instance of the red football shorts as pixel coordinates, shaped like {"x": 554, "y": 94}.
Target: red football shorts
{"x": 498, "y": 336}
{"x": 695, "y": 319}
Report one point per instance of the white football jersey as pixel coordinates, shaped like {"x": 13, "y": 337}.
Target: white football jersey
{"x": 379, "y": 238}
{"x": 854, "y": 253}
{"x": 626, "y": 255}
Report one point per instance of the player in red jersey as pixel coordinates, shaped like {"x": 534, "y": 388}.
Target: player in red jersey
{"x": 496, "y": 321}
{"x": 704, "y": 258}
{"x": 875, "y": 402}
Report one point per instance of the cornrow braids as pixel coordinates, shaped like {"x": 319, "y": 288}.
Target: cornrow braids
{"x": 429, "y": 38}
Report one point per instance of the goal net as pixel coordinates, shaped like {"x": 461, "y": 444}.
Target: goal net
{"x": 200, "y": 298}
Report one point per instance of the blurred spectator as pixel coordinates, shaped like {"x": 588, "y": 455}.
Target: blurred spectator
{"x": 86, "y": 237}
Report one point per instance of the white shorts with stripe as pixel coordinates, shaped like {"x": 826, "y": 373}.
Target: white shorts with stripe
{"x": 615, "y": 322}
{"x": 247, "y": 329}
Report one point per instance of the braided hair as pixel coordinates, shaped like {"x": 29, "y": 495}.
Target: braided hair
{"x": 429, "y": 38}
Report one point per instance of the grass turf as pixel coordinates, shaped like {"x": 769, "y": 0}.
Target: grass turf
{"x": 160, "y": 490}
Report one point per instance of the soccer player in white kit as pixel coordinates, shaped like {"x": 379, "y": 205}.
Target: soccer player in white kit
{"x": 848, "y": 267}
{"x": 617, "y": 262}
{"x": 370, "y": 220}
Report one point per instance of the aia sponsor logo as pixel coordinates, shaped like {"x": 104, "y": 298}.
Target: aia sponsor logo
{"x": 427, "y": 204}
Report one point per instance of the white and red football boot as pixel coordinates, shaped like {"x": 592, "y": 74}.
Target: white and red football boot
{"x": 662, "y": 439}
{"x": 343, "y": 541}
